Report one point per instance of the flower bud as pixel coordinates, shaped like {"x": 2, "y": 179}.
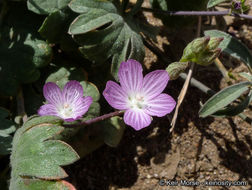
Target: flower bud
{"x": 195, "y": 47}
{"x": 202, "y": 51}
{"x": 208, "y": 57}
{"x": 214, "y": 42}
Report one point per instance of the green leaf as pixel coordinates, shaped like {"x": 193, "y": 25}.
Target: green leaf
{"x": 87, "y": 139}
{"x": 103, "y": 33}
{"x": 223, "y": 98}
{"x": 90, "y": 90}
{"x": 212, "y": 3}
{"x": 22, "y": 51}
{"x": 234, "y": 110}
{"x": 61, "y": 75}
{"x": 113, "y": 130}
{"x": 247, "y": 76}
{"x": 6, "y": 128}
{"x": 46, "y": 6}
{"x": 232, "y": 47}
{"x": 36, "y": 184}
{"x": 55, "y": 27}
{"x": 36, "y": 155}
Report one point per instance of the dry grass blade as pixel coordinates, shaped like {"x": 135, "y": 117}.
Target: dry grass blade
{"x": 186, "y": 84}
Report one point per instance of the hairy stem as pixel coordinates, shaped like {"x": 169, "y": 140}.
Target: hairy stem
{"x": 198, "y": 84}
{"x": 94, "y": 120}
{"x": 196, "y": 13}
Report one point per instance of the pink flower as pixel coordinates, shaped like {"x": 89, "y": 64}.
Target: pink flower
{"x": 140, "y": 97}
{"x": 68, "y": 104}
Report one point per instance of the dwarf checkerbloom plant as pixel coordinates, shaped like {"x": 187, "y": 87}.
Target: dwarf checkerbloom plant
{"x": 140, "y": 97}
{"x": 68, "y": 104}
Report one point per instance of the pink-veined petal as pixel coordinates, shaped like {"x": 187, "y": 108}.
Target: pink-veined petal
{"x": 48, "y": 109}
{"x": 81, "y": 106}
{"x": 115, "y": 95}
{"x": 52, "y": 93}
{"x": 131, "y": 76}
{"x": 160, "y": 105}
{"x": 72, "y": 91}
{"x": 137, "y": 119}
{"x": 154, "y": 83}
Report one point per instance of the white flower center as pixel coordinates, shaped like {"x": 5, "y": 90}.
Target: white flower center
{"x": 136, "y": 102}
{"x": 66, "y": 111}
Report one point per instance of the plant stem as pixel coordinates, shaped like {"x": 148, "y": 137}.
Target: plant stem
{"x": 223, "y": 70}
{"x": 20, "y": 105}
{"x": 94, "y": 120}
{"x": 198, "y": 84}
{"x": 196, "y": 13}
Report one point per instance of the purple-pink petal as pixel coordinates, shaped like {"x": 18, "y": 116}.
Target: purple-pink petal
{"x": 52, "y": 93}
{"x": 130, "y": 76}
{"x": 48, "y": 109}
{"x": 82, "y": 106}
{"x": 154, "y": 83}
{"x": 160, "y": 105}
{"x": 115, "y": 95}
{"x": 72, "y": 91}
{"x": 137, "y": 119}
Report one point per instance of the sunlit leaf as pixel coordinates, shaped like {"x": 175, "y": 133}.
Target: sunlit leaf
{"x": 103, "y": 33}
{"x": 212, "y": 3}
{"x": 223, "y": 98}
{"x": 35, "y": 155}
{"x": 235, "y": 110}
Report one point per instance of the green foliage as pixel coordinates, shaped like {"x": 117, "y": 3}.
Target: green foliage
{"x": 212, "y": 3}
{"x": 91, "y": 137}
{"x": 55, "y": 26}
{"x": 178, "y": 5}
{"x": 104, "y": 32}
{"x": 22, "y": 51}
{"x": 248, "y": 76}
{"x": 232, "y": 47}
{"x": 6, "y": 128}
{"x": 235, "y": 109}
{"x": 113, "y": 130}
{"x": 36, "y": 157}
{"x": 46, "y": 6}
{"x": 223, "y": 98}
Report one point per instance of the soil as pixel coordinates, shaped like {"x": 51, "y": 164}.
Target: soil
{"x": 210, "y": 149}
